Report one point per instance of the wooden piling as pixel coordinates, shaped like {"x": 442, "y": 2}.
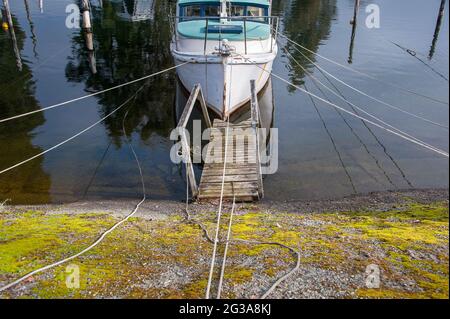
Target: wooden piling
{"x": 13, "y": 35}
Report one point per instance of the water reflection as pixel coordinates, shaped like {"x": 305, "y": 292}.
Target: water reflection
{"x": 29, "y": 183}
{"x": 307, "y": 22}
{"x": 135, "y": 10}
{"x": 125, "y": 51}
{"x": 323, "y": 153}
{"x": 437, "y": 29}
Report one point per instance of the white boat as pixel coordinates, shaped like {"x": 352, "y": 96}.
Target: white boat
{"x": 228, "y": 44}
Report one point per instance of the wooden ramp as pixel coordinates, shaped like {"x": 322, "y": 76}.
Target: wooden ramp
{"x": 242, "y": 176}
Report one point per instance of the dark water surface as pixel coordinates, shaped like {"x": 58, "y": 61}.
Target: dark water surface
{"x": 322, "y": 153}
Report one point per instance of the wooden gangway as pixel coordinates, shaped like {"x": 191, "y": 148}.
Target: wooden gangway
{"x": 231, "y": 167}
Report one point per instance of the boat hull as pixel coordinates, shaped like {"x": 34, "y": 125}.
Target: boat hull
{"x": 225, "y": 81}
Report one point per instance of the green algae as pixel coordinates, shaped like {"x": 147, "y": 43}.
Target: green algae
{"x": 414, "y": 239}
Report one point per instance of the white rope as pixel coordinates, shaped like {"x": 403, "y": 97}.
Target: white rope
{"x": 222, "y": 271}
{"x": 92, "y": 94}
{"x": 362, "y": 73}
{"x": 436, "y": 150}
{"x": 70, "y": 138}
{"x": 237, "y": 240}
{"x": 353, "y": 105}
{"x": 216, "y": 238}
{"x": 106, "y": 232}
{"x": 370, "y": 96}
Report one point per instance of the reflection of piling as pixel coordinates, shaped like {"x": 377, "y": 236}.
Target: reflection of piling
{"x": 88, "y": 34}
{"x": 437, "y": 29}
{"x": 355, "y": 13}
{"x": 13, "y": 34}
{"x": 352, "y": 44}
{"x": 41, "y": 6}
{"x": 353, "y": 22}
{"x": 30, "y": 22}
{"x": 86, "y": 13}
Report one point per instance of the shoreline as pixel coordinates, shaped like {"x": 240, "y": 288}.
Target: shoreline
{"x": 159, "y": 254}
{"x": 380, "y": 200}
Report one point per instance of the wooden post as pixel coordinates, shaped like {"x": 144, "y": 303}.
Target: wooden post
{"x": 437, "y": 29}
{"x": 13, "y": 35}
{"x": 254, "y": 104}
{"x": 255, "y": 117}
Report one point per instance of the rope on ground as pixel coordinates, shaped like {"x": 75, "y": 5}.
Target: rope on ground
{"x": 315, "y": 79}
{"x": 216, "y": 238}
{"x": 434, "y": 149}
{"x": 92, "y": 94}
{"x": 224, "y": 260}
{"x": 363, "y": 73}
{"x": 370, "y": 96}
{"x": 100, "y": 239}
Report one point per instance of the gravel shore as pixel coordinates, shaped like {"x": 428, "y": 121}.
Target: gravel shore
{"x": 158, "y": 254}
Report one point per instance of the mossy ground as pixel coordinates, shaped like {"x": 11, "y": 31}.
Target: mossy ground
{"x": 170, "y": 258}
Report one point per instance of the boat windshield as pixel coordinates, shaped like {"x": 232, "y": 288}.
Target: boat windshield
{"x": 233, "y": 10}
{"x": 198, "y": 10}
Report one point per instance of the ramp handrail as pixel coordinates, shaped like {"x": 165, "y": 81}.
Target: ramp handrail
{"x": 196, "y": 95}
{"x": 256, "y": 124}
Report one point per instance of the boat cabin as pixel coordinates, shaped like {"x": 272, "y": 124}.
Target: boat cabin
{"x": 213, "y": 19}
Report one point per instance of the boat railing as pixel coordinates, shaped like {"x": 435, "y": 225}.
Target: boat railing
{"x": 223, "y": 29}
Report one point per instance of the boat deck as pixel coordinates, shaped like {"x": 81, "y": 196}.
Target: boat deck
{"x": 242, "y": 178}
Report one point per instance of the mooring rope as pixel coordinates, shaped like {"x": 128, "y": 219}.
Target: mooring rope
{"x": 216, "y": 238}
{"x": 370, "y": 96}
{"x": 224, "y": 260}
{"x": 92, "y": 94}
{"x": 362, "y": 73}
{"x": 189, "y": 219}
{"x": 414, "y": 54}
{"x": 434, "y": 149}
{"x": 70, "y": 138}
{"x": 353, "y": 105}
{"x": 100, "y": 239}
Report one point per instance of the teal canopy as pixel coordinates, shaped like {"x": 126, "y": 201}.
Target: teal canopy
{"x": 196, "y": 29}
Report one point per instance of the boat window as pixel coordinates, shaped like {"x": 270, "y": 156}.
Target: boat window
{"x": 192, "y": 11}
{"x": 237, "y": 11}
{"x": 255, "y": 11}
{"x": 212, "y": 11}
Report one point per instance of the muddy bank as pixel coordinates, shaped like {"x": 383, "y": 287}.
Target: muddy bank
{"x": 158, "y": 254}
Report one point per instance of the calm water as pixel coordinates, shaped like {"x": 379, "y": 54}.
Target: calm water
{"x": 322, "y": 153}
